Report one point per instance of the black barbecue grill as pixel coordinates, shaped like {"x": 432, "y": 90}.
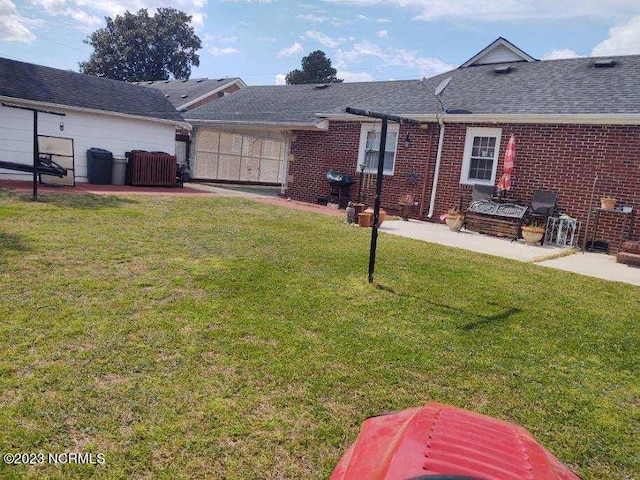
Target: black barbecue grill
{"x": 339, "y": 185}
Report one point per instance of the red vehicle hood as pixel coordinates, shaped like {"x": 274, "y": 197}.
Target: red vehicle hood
{"x": 437, "y": 440}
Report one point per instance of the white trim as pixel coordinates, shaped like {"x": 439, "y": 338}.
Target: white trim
{"x": 367, "y": 127}
{"x": 237, "y": 81}
{"x": 492, "y": 46}
{"x": 56, "y": 106}
{"x": 562, "y": 119}
{"x": 473, "y": 132}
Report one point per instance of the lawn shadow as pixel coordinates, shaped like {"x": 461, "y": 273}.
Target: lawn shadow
{"x": 84, "y": 201}
{"x": 13, "y": 242}
{"x": 480, "y": 320}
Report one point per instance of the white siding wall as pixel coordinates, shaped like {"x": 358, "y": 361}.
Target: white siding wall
{"x": 118, "y": 135}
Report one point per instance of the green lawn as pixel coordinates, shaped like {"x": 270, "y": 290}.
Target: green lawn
{"x": 220, "y": 338}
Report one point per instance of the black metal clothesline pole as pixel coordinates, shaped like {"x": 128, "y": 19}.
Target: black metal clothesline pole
{"x": 36, "y": 152}
{"x": 379, "y": 174}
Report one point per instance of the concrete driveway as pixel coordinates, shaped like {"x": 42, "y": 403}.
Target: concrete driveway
{"x": 591, "y": 264}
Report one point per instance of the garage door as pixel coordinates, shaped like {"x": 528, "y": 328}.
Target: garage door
{"x": 238, "y": 157}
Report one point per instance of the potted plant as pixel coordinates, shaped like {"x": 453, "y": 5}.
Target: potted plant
{"x": 382, "y": 215}
{"x": 608, "y": 203}
{"x": 406, "y": 206}
{"x": 532, "y": 233}
{"x": 454, "y": 219}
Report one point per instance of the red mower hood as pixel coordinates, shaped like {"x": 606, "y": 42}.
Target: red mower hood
{"x": 440, "y": 441}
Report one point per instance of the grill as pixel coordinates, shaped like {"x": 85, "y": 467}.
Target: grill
{"x": 151, "y": 169}
{"x": 339, "y": 185}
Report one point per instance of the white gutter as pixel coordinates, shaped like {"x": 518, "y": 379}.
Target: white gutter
{"x": 436, "y": 173}
{"x": 56, "y": 106}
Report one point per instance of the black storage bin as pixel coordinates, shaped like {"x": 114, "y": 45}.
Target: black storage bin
{"x": 99, "y": 164}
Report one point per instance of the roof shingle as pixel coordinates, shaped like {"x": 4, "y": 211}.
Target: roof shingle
{"x": 552, "y": 87}
{"x": 37, "y": 83}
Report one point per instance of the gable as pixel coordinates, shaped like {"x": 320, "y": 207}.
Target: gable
{"x": 499, "y": 51}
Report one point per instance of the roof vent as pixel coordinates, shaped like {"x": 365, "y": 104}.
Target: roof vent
{"x": 166, "y": 95}
{"x": 185, "y": 80}
{"x": 322, "y": 86}
{"x": 200, "y": 80}
{"x": 604, "y": 63}
{"x": 149, "y": 83}
{"x": 503, "y": 69}
{"x": 184, "y": 96}
{"x": 167, "y": 81}
{"x": 220, "y": 79}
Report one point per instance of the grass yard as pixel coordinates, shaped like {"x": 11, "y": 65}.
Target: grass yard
{"x": 220, "y": 338}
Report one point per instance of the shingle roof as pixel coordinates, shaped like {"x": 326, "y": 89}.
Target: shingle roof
{"x": 571, "y": 86}
{"x": 61, "y": 87}
{"x": 290, "y": 103}
{"x": 179, "y": 92}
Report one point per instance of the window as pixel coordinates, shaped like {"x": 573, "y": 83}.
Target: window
{"x": 370, "y": 144}
{"x": 480, "y": 159}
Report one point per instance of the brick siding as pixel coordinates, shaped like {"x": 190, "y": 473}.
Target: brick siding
{"x": 562, "y": 158}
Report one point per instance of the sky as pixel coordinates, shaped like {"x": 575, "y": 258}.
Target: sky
{"x": 261, "y": 41}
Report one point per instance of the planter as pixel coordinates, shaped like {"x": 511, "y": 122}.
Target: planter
{"x": 405, "y": 211}
{"x": 365, "y": 219}
{"x": 382, "y": 215}
{"x": 454, "y": 222}
{"x": 608, "y": 203}
{"x": 532, "y": 235}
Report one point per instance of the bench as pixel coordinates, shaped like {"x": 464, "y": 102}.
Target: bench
{"x": 494, "y": 218}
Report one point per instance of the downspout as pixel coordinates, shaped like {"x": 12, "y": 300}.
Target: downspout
{"x": 426, "y": 172}
{"x": 434, "y": 187}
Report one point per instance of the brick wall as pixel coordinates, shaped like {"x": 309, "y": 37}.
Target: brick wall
{"x": 562, "y": 158}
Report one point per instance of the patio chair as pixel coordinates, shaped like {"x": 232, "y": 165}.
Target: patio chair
{"x": 543, "y": 204}
{"x": 482, "y": 192}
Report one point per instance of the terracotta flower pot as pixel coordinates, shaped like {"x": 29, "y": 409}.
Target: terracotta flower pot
{"x": 382, "y": 215}
{"x": 365, "y": 219}
{"x": 532, "y": 235}
{"x": 608, "y": 203}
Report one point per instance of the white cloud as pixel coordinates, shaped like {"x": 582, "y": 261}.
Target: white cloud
{"x": 281, "y": 79}
{"x": 391, "y": 58}
{"x": 383, "y": 20}
{"x": 350, "y": 77}
{"x": 362, "y": 17}
{"x": 382, "y": 33}
{"x": 289, "y": 51}
{"x": 323, "y": 39}
{"x": 223, "y": 51}
{"x": 624, "y": 39}
{"x": 559, "y": 54}
{"x": 495, "y": 10}
{"x": 310, "y": 17}
{"x": 197, "y": 20}
{"x": 12, "y": 25}
{"x": 88, "y": 22}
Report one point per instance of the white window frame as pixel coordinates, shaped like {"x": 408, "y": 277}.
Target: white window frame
{"x": 368, "y": 127}
{"x": 472, "y": 133}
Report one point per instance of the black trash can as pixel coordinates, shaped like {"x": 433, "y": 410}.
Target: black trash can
{"x": 99, "y": 164}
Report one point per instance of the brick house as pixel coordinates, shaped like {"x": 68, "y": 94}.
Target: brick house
{"x": 574, "y": 120}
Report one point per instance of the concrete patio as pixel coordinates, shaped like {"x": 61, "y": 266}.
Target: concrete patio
{"x": 588, "y": 263}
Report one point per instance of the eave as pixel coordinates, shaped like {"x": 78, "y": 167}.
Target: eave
{"x": 56, "y": 106}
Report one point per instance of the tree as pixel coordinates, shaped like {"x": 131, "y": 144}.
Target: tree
{"x": 137, "y": 47}
{"x": 316, "y": 68}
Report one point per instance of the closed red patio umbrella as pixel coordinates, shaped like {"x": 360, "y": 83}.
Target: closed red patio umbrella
{"x": 509, "y": 156}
